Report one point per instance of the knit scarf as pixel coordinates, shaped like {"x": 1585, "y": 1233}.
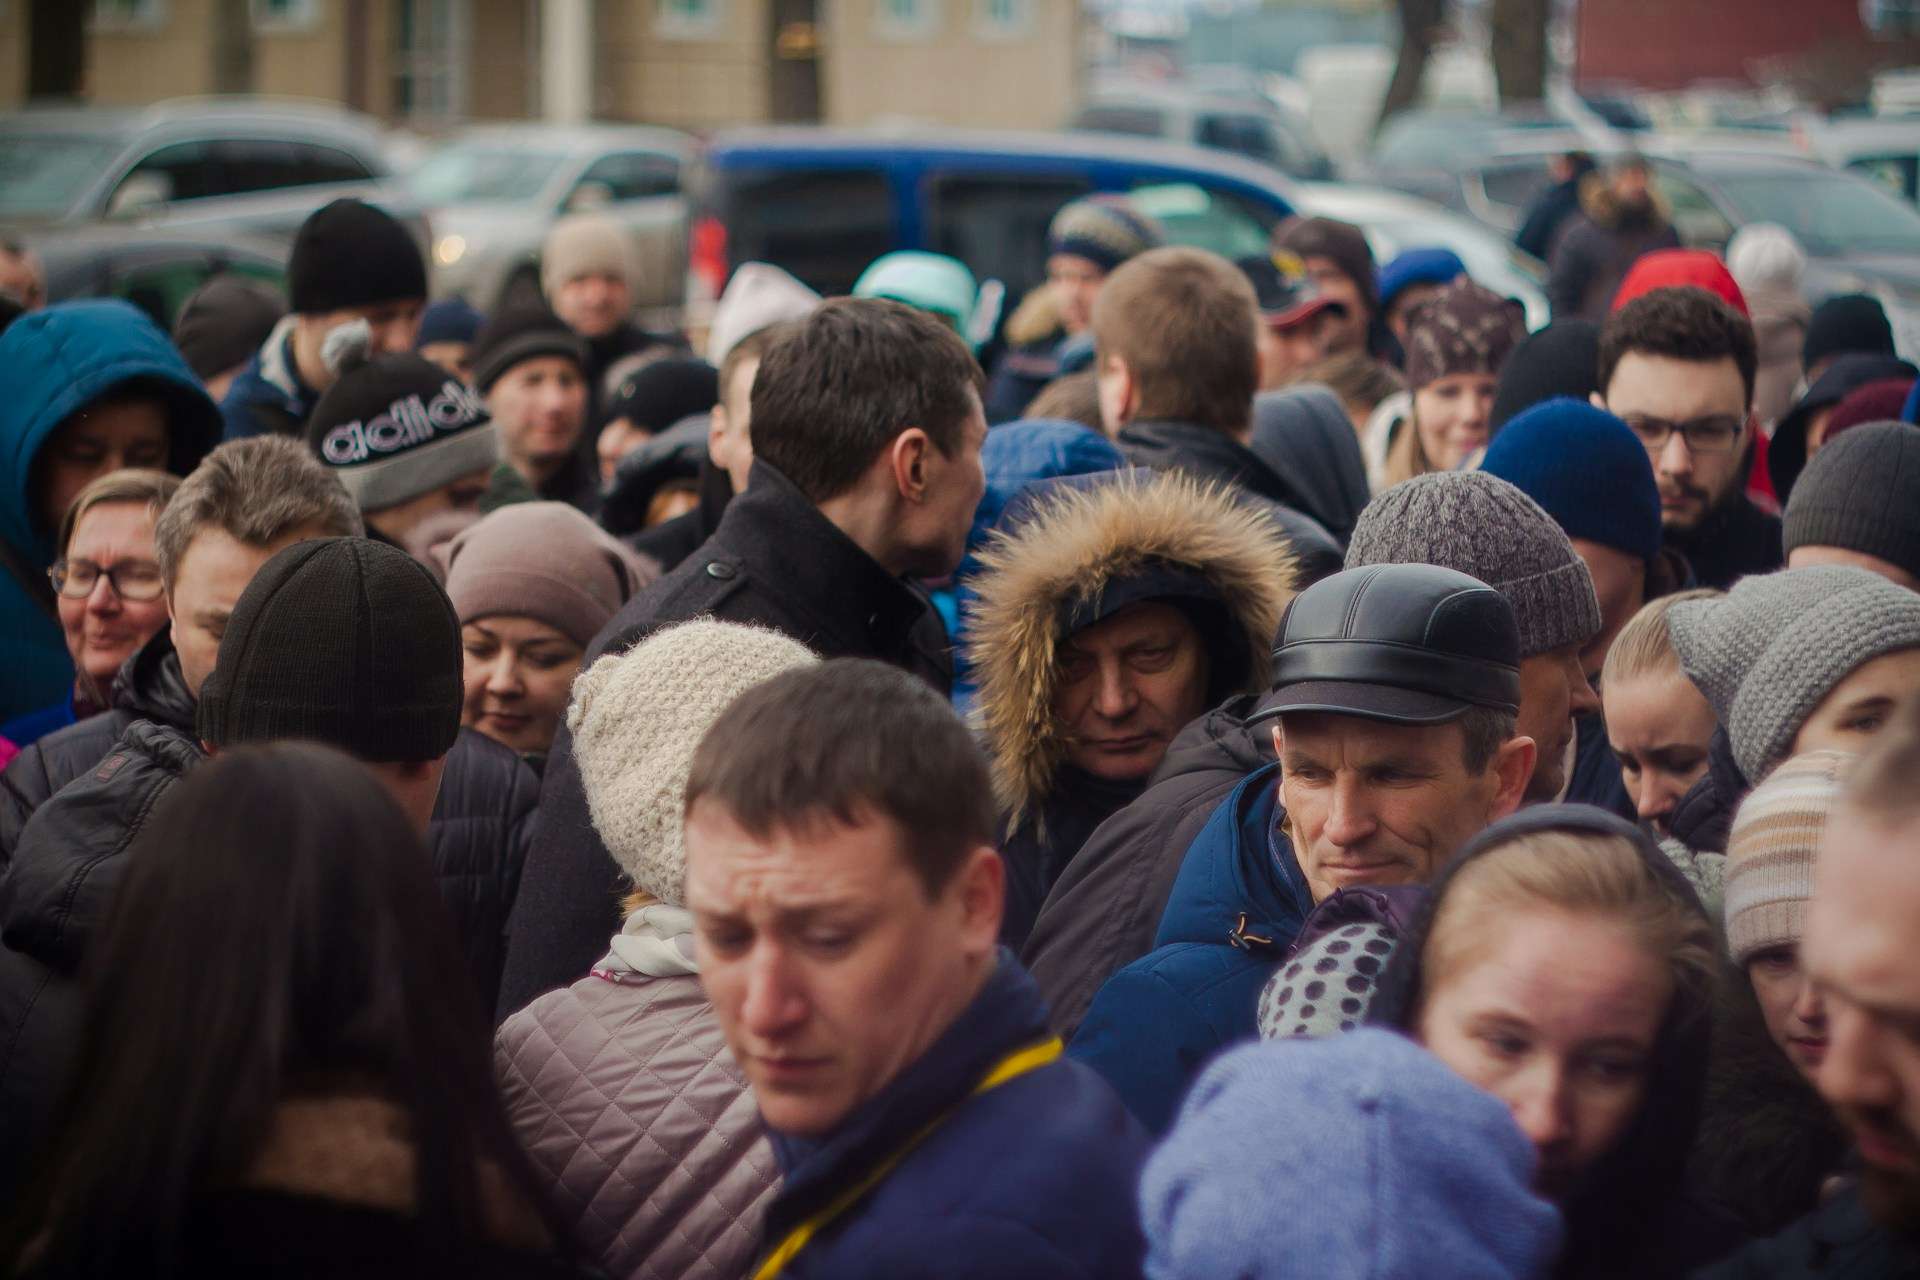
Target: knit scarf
{"x": 656, "y": 941}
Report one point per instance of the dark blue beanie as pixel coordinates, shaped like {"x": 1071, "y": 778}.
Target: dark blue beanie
{"x": 1418, "y": 266}
{"x": 1587, "y": 469}
{"x": 449, "y": 320}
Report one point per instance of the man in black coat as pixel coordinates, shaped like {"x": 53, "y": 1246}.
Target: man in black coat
{"x": 866, "y": 433}
{"x": 1619, "y": 219}
{"x": 1552, "y": 207}
{"x": 246, "y": 501}
{"x": 1179, "y": 363}
{"x": 343, "y": 641}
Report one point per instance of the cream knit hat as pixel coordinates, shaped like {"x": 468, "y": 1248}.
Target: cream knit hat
{"x": 1772, "y": 848}
{"x": 636, "y": 719}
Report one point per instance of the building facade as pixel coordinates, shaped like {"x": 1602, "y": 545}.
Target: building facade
{"x": 689, "y": 63}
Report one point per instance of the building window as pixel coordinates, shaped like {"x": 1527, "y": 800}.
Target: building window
{"x": 1002, "y": 19}
{"x": 906, "y": 19}
{"x": 687, "y": 19}
{"x": 129, "y": 15}
{"x": 285, "y": 15}
{"x": 430, "y": 58}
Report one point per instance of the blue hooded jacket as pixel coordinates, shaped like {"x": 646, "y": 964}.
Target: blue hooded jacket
{"x": 267, "y": 397}
{"x": 1034, "y": 1178}
{"x": 1015, "y": 456}
{"x": 1237, "y": 904}
{"x": 57, "y": 361}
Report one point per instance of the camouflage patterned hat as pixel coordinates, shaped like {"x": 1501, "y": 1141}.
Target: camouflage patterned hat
{"x": 1462, "y": 329}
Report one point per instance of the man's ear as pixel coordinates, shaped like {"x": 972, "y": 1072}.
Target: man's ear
{"x": 1279, "y": 740}
{"x": 981, "y": 884}
{"x": 717, "y": 436}
{"x": 1596, "y": 400}
{"x": 909, "y": 458}
{"x": 1119, "y": 397}
{"x": 1513, "y": 769}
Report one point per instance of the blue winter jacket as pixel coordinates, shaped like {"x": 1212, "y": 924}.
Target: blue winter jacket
{"x": 1016, "y": 455}
{"x": 267, "y": 397}
{"x": 1238, "y": 902}
{"x": 1032, "y": 1180}
{"x": 53, "y": 363}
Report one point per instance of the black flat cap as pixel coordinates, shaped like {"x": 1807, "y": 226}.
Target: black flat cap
{"x": 1405, "y": 643}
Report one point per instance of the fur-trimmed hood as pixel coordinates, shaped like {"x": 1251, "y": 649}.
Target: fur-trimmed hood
{"x": 1599, "y": 203}
{"x": 1071, "y": 544}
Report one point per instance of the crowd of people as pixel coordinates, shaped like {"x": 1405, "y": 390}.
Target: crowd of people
{"x": 1259, "y": 768}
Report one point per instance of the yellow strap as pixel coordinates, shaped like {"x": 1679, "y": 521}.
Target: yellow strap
{"x": 1014, "y": 1065}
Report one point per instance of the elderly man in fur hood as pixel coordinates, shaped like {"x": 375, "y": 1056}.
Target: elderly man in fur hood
{"x": 1110, "y": 611}
{"x": 1621, "y": 217}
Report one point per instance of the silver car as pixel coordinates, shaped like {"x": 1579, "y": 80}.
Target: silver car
{"x": 493, "y": 192}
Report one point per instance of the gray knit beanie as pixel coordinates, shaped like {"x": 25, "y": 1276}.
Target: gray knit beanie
{"x": 1769, "y": 650}
{"x": 636, "y": 718}
{"x": 1484, "y": 527}
{"x": 1862, "y": 493}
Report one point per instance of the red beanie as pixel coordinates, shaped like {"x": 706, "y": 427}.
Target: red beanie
{"x": 1673, "y": 268}
{"x": 1879, "y": 401}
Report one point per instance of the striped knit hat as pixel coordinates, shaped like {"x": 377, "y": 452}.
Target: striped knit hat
{"x": 1106, "y": 230}
{"x": 1772, "y": 848}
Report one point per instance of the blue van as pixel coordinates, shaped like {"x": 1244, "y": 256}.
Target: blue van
{"x": 823, "y": 203}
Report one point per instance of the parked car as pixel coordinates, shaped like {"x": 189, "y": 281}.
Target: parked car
{"x": 155, "y": 270}
{"x": 1395, "y": 221}
{"x": 1443, "y": 155}
{"x": 823, "y": 203}
{"x": 493, "y": 192}
{"x": 1883, "y": 148}
{"x": 1246, "y": 124}
{"x": 219, "y": 166}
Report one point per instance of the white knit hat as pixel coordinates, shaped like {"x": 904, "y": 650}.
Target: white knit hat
{"x": 637, "y": 718}
{"x": 1764, "y": 255}
{"x": 1772, "y": 848}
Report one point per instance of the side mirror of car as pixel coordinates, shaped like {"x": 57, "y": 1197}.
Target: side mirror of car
{"x": 589, "y": 196}
{"x": 139, "y": 193}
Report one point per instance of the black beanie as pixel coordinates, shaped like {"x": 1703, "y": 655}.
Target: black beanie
{"x": 661, "y": 393}
{"x": 350, "y": 254}
{"x": 1862, "y": 493}
{"x": 343, "y": 641}
{"x": 522, "y": 333}
{"x": 1847, "y": 323}
{"x": 1562, "y": 359}
{"x": 224, "y": 322}
{"x": 399, "y": 427}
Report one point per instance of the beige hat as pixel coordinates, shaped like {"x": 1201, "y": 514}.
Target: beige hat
{"x": 581, "y": 243}
{"x": 1771, "y": 851}
{"x": 637, "y": 718}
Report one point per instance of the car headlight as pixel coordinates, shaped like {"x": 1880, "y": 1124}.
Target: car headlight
{"x": 449, "y": 249}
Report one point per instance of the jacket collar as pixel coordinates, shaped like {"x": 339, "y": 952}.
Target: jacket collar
{"x": 1203, "y": 452}
{"x": 1007, "y": 1014}
{"x": 1240, "y": 879}
{"x": 807, "y": 560}
{"x": 279, "y": 371}
{"x": 150, "y": 687}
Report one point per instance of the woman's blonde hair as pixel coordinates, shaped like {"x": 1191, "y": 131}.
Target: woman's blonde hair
{"x": 132, "y": 484}
{"x": 1406, "y": 456}
{"x": 1645, "y": 646}
{"x": 1581, "y": 873}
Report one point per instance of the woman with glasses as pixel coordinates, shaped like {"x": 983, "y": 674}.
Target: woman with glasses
{"x": 107, "y": 588}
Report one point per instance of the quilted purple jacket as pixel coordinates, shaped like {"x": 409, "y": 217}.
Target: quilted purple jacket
{"x": 623, "y": 1092}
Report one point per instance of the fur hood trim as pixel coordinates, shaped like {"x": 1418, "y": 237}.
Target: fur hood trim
{"x": 1598, "y": 203}
{"x": 1036, "y": 319}
{"x": 1075, "y": 541}
{"x": 358, "y": 1150}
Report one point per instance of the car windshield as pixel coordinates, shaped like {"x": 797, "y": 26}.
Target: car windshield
{"x": 1831, "y": 214}
{"x": 461, "y": 173}
{"x": 43, "y": 174}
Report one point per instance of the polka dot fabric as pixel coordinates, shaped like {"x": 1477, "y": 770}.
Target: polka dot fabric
{"x": 1326, "y": 987}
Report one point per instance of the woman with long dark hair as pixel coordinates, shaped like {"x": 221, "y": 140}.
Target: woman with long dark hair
{"x": 283, "y": 1068}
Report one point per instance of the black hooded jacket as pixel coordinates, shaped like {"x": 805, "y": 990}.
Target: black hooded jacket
{"x": 1731, "y": 542}
{"x": 1705, "y": 814}
{"x": 1634, "y": 1215}
{"x": 1207, "y": 454}
{"x": 482, "y": 819}
{"x": 1304, "y": 436}
{"x": 1105, "y": 908}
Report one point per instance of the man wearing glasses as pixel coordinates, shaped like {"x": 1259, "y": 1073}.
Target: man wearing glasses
{"x": 1678, "y": 366}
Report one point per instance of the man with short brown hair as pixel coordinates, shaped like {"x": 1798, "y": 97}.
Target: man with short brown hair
{"x": 1176, "y": 348}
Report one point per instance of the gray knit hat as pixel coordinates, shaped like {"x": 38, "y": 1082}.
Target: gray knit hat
{"x": 1862, "y": 492}
{"x": 636, "y": 718}
{"x": 1484, "y": 527}
{"x": 1769, "y": 650}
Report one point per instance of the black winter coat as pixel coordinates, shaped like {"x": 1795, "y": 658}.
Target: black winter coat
{"x": 1595, "y": 249}
{"x": 1729, "y": 544}
{"x": 1705, "y": 814}
{"x": 1837, "y": 1241}
{"x": 1105, "y": 908}
{"x": 1634, "y": 1216}
{"x": 482, "y": 821}
{"x": 53, "y": 904}
{"x": 1207, "y": 454}
{"x": 1070, "y": 814}
{"x": 775, "y": 561}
